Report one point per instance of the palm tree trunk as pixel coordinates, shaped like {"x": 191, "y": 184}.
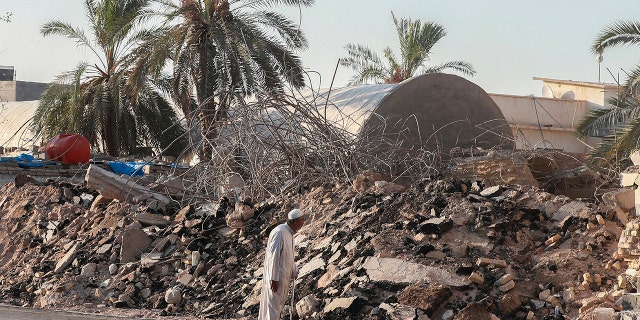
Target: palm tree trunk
{"x": 110, "y": 136}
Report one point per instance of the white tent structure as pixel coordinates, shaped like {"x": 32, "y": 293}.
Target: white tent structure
{"x": 15, "y": 118}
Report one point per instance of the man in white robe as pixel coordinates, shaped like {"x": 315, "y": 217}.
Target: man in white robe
{"x": 279, "y": 266}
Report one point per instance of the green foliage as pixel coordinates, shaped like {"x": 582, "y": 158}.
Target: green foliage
{"x": 416, "y": 40}
{"x": 102, "y": 102}
{"x": 621, "y": 123}
{"x": 222, "y": 51}
{"x": 6, "y": 17}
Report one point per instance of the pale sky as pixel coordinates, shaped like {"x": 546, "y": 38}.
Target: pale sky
{"x": 508, "y": 42}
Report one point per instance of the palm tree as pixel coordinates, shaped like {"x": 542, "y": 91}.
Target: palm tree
{"x": 99, "y": 101}
{"x": 416, "y": 41}
{"x": 620, "y": 124}
{"x": 6, "y": 17}
{"x": 222, "y": 51}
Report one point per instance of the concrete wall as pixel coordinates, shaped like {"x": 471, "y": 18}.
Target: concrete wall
{"x": 596, "y": 93}
{"x": 21, "y": 90}
{"x": 547, "y": 123}
{"x": 29, "y": 91}
{"x": 7, "y": 91}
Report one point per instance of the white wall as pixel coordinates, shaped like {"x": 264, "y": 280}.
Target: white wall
{"x": 545, "y": 122}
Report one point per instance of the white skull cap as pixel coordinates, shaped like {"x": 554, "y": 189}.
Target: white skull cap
{"x": 295, "y": 214}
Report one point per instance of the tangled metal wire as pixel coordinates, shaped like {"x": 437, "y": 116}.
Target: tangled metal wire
{"x": 276, "y": 145}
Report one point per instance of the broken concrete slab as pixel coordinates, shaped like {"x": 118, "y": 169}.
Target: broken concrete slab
{"x": 630, "y": 301}
{"x": 629, "y": 179}
{"x": 472, "y": 240}
{"x": 307, "y": 306}
{"x": 622, "y": 201}
{"x": 332, "y": 273}
{"x": 401, "y": 271}
{"x": 436, "y": 225}
{"x": 315, "y": 264}
{"x": 344, "y": 303}
{"x": 576, "y": 209}
{"x": 113, "y": 186}
{"x": 67, "y": 258}
{"x": 151, "y": 219}
{"x": 134, "y": 243}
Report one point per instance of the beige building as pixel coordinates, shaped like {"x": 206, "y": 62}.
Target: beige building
{"x": 549, "y": 122}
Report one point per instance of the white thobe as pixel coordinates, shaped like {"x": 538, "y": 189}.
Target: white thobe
{"x": 279, "y": 265}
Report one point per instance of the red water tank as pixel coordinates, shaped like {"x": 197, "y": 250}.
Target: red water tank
{"x": 69, "y": 148}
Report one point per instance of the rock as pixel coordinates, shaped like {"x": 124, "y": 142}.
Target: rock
{"x": 315, "y": 264}
{"x": 600, "y": 313}
{"x": 622, "y": 281}
{"x": 67, "y": 259}
{"x": 397, "y": 311}
{"x": 491, "y": 191}
{"x": 476, "y": 278}
{"x": 145, "y": 293}
{"x": 503, "y": 280}
{"x": 173, "y": 295}
{"x": 134, "y": 243}
{"x": 544, "y": 294}
{"x": 425, "y": 296}
{"x": 448, "y": 315}
{"x": 306, "y": 306}
{"x": 474, "y": 311}
{"x": 325, "y": 280}
{"x": 113, "y": 268}
{"x": 184, "y": 278}
{"x": 337, "y": 303}
{"x": 436, "y": 226}
{"x": 509, "y": 303}
{"x": 88, "y": 269}
{"x": 553, "y": 239}
{"x": 104, "y": 248}
{"x": 385, "y": 187}
{"x": 483, "y": 262}
{"x": 508, "y": 286}
{"x": 576, "y": 209}
{"x": 182, "y": 214}
{"x": 151, "y": 219}
{"x": 536, "y": 304}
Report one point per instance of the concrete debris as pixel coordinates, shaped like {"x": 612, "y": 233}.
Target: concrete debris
{"x": 397, "y": 311}
{"x": 400, "y": 271}
{"x": 339, "y": 303}
{"x": 307, "y": 306}
{"x": 472, "y": 247}
{"x": 173, "y": 295}
{"x": 113, "y": 186}
{"x": 134, "y": 243}
{"x": 67, "y": 259}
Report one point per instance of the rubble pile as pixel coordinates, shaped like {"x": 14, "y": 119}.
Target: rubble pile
{"x": 442, "y": 248}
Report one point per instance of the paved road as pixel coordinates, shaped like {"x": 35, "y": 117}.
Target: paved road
{"x": 8, "y": 312}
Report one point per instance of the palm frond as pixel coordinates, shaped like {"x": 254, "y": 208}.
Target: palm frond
{"x": 619, "y": 33}
{"x": 459, "y": 66}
